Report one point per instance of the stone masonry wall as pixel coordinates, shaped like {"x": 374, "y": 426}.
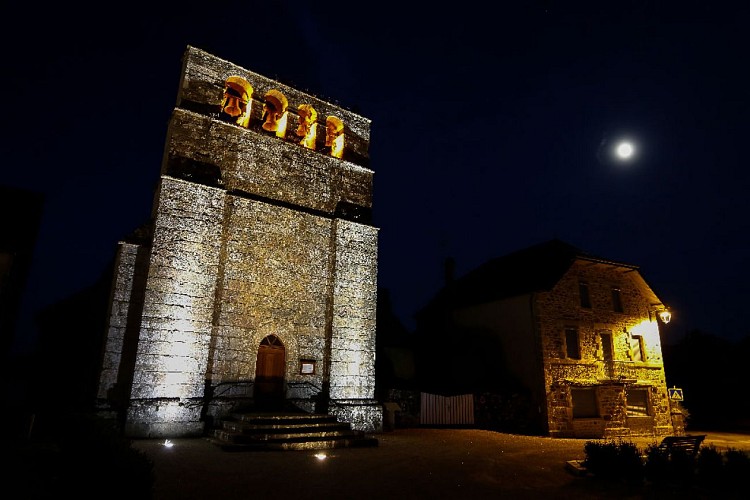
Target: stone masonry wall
{"x": 352, "y": 368}
{"x": 247, "y": 162}
{"x": 274, "y": 282}
{"x": 560, "y": 308}
{"x": 178, "y": 310}
{"x": 355, "y": 295}
{"x": 202, "y": 87}
{"x": 125, "y": 306}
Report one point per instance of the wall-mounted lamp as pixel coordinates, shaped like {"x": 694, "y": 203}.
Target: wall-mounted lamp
{"x": 662, "y": 312}
{"x": 665, "y": 316}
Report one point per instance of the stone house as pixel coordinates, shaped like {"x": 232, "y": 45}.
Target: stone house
{"x": 255, "y": 281}
{"x": 562, "y": 341}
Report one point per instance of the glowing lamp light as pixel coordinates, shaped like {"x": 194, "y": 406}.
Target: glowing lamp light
{"x": 320, "y": 456}
{"x": 168, "y": 443}
{"x": 665, "y": 316}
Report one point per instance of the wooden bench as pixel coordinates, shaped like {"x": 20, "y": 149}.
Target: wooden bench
{"x": 688, "y": 444}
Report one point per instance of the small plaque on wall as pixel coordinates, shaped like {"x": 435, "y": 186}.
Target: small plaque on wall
{"x": 307, "y": 367}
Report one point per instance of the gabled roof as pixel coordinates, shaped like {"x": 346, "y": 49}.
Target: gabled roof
{"x": 533, "y": 269}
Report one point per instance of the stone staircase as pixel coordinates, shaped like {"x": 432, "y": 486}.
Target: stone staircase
{"x": 258, "y": 431}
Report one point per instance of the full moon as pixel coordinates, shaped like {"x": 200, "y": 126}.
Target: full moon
{"x": 624, "y": 150}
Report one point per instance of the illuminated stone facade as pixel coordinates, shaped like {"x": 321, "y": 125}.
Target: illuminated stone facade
{"x": 260, "y": 239}
{"x": 578, "y": 336}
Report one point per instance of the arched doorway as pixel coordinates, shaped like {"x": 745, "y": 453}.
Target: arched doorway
{"x": 269, "y": 373}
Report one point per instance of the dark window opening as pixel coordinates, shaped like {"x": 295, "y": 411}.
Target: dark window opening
{"x": 637, "y": 402}
{"x": 616, "y": 300}
{"x": 583, "y": 292}
{"x": 584, "y": 402}
{"x": 606, "y": 339}
{"x": 572, "y": 349}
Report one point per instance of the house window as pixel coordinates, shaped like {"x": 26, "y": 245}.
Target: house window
{"x": 637, "y": 403}
{"x": 606, "y": 340}
{"x": 584, "y": 402}
{"x": 637, "y": 352}
{"x": 583, "y": 292}
{"x": 616, "y": 300}
{"x": 572, "y": 348}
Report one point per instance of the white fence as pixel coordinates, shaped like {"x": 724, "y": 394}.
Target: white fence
{"x": 446, "y": 410}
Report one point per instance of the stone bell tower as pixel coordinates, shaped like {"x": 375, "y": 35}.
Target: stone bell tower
{"x": 256, "y": 280}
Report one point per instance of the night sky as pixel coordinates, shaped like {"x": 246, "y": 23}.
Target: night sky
{"x": 491, "y": 131}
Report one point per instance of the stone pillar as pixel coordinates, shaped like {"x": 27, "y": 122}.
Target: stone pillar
{"x": 123, "y": 325}
{"x": 352, "y": 356}
{"x": 169, "y": 379}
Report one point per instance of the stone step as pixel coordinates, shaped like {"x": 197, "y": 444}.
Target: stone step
{"x": 251, "y": 428}
{"x": 307, "y": 444}
{"x": 283, "y": 419}
{"x": 240, "y": 438}
{"x": 286, "y": 431}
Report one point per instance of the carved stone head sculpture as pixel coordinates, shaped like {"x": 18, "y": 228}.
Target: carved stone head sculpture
{"x": 274, "y": 112}
{"x": 235, "y": 103}
{"x": 307, "y": 129}
{"x": 335, "y": 136}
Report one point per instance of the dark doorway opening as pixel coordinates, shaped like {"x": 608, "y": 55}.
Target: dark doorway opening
{"x": 269, "y": 374}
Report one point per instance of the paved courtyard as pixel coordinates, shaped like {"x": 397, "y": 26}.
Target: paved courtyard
{"x": 408, "y": 463}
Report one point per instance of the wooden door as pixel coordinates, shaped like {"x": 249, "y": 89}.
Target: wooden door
{"x": 269, "y": 372}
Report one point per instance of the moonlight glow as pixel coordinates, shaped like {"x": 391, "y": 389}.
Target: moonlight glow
{"x": 624, "y": 150}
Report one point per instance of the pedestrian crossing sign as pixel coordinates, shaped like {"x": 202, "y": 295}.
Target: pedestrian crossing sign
{"x": 675, "y": 394}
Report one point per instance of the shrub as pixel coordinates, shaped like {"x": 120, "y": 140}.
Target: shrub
{"x": 736, "y": 466}
{"x": 681, "y": 466}
{"x": 613, "y": 460}
{"x": 675, "y": 466}
{"x": 656, "y": 468}
{"x": 94, "y": 458}
{"x": 630, "y": 462}
{"x": 710, "y": 468}
{"x": 600, "y": 458}
{"x": 709, "y": 465}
